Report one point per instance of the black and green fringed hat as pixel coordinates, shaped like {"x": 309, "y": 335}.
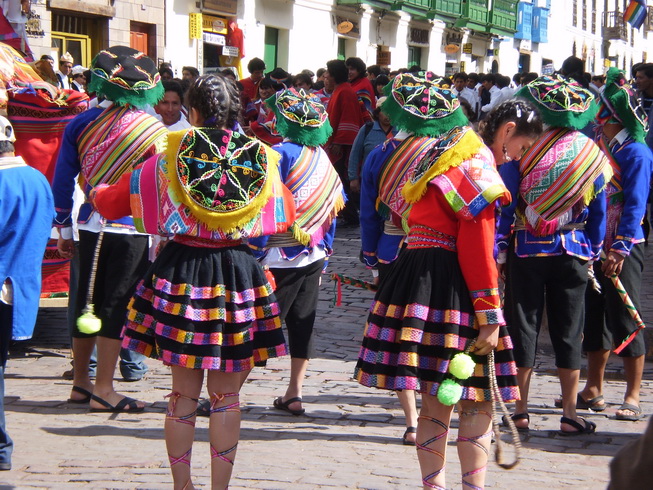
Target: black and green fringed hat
{"x": 126, "y": 77}
{"x": 301, "y": 117}
{"x": 562, "y": 102}
{"x": 418, "y": 103}
{"x": 619, "y": 104}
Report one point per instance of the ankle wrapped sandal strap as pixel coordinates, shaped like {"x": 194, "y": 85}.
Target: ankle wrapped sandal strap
{"x": 219, "y": 397}
{"x": 424, "y": 447}
{"x": 172, "y": 404}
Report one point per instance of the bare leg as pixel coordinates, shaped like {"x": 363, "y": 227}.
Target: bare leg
{"x": 108, "y": 351}
{"x": 224, "y": 425}
{"x": 596, "y": 362}
{"x": 474, "y": 438}
{"x": 633, "y": 368}
{"x": 409, "y": 406}
{"x": 179, "y": 425}
{"x": 82, "y": 350}
{"x": 432, "y": 430}
{"x": 298, "y": 367}
{"x": 521, "y": 406}
{"x": 569, "y": 384}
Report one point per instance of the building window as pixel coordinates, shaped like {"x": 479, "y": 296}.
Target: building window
{"x": 574, "y": 13}
{"x": 584, "y": 13}
{"x": 342, "y": 48}
{"x": 594, "y": 15}
{"x": 414, "y": 56}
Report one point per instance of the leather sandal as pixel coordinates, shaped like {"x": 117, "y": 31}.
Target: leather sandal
{"x": 409, "y": 430}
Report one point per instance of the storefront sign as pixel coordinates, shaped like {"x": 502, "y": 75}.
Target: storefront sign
{"x": 418, "y": 36}
{"x": 33, "y": 26}
{"x": 226, "y": 6}
{"x": 195, "y": 26}
{"x": 383, "y": 58}
{"x": 525, "y": 46}
{"x": 231, "y": 51}
{"x": 467, "y": 48}
{"x": 339, "y": 22}
{"x": 216, "y": 25}
{"x": 210, "y": 38}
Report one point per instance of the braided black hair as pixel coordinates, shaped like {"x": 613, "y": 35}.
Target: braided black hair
{"x": 526, "y": 118}
{"x": 217, "y": 100}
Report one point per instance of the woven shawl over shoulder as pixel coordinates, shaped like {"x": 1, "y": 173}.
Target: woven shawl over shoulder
{"x": 557, "y": 179}
{"x": 318, "y": 195}
{"x": 394, "y": 174}
{"x": 118, "y": 140}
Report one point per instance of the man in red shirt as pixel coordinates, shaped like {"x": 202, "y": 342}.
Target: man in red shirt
{"x": 346, "y": 119}
{"x": 256, "y": 68}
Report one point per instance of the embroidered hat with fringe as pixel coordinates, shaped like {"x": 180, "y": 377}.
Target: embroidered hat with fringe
{"x": 417, "y": 103}
{"x": 619, "y": 104}
{"x": 300, "y": 117}
{"x": 562, "y": 102}
{"x": 126, "y": 77}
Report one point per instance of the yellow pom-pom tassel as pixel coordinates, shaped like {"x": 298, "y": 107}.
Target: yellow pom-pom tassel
{"x": 449, "y": 392}
{"x": 88, "y": 323}
{"x": 462, "y": 366}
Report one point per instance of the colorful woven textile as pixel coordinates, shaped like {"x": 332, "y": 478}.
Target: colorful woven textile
{"x": 562, "y": 102}
{"x": 118, "y": 140}
{"x": 451, "y": 149}
{"x": 55, "y": 272}
{"x": 557, "y": 174}
{"x": 393, "y": 175}
{"x": 472, "y": 186}
{"x": 39, "y": 122}
{"x": 159, "y": 202}
{"x": 300, "y": 117}
{"x": 619, "y": 103}
{"x": 416, "y": 103}
{"x": 318, "y": 195}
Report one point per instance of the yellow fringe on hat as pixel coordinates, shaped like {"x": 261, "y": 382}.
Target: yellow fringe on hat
{"x": 227, "y": 221}
{"x": 468, "y": 146}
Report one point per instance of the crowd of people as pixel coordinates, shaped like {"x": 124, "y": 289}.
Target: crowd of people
{"x": 211, "y": 206}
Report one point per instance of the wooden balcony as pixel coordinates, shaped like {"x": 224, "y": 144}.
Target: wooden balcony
{"x": 503, "y": 17}
{"x": 614, "y": 26}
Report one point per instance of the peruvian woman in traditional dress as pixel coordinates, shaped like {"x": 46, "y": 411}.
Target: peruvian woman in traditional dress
{"x": 205, "y": 303}
{"x": 440, "y": 297}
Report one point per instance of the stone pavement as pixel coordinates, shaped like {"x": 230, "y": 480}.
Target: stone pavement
{"x": 349, "y": 437}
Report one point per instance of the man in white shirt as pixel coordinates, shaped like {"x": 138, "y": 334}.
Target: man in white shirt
{"x": 65, "y": 68}
{"x": 168, "y": 109}
{"x": 489, "y": 83}
{"x": 461, "y": 90}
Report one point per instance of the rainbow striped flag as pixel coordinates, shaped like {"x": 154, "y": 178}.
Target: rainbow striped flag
{"x": 635, "y": 13}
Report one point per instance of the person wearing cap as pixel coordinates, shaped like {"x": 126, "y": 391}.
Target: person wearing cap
{"x": 297, "y": 258}
{"x": 205, "y": 305}
{"x": 549, "y": 234}
{"x": 100, "y": 145}
{"x": 27, "y": 205}
{"x": 79, "y": 79}
{"x": 65, "y": 68}
{"x": 440, "y": 297}
{"x": 622, "y": 125}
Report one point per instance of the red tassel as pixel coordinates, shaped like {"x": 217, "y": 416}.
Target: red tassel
{"x": 339, "y": 291}
{"x": 270, "y": 277}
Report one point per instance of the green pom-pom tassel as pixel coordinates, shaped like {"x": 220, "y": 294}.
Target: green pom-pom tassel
{"x": 449, "y": 392}
{"x": 88, "y": 323}
{"x": 462, "y": 366}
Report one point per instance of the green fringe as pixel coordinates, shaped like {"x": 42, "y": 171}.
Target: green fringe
{"x": 120, "y": 96}
{"x": 561, "y": 119}
{"x": 303, "y": 135}
{"x": 416, "y": 125}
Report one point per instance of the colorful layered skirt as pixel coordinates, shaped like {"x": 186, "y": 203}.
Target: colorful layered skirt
{"x": 421, "y": 317}
{"x": 205, "y": 308}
